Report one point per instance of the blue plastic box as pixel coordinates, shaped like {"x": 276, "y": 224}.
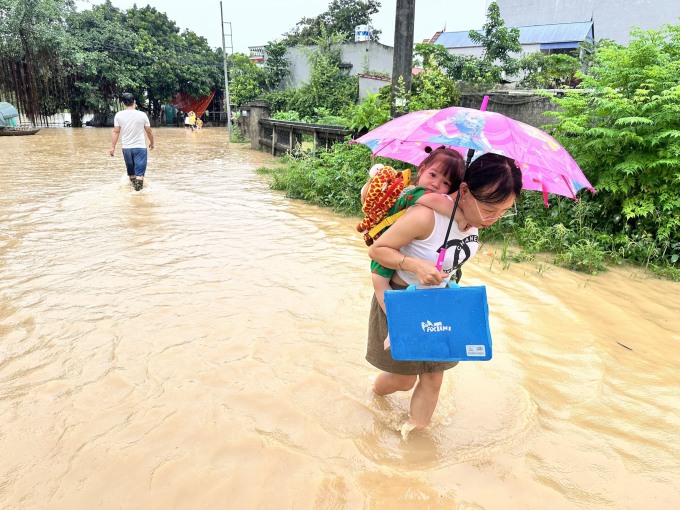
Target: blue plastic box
{"x": 440, "y": 324}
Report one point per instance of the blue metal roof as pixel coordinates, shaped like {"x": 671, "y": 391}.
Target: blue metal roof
{"x": 534, "y": 34}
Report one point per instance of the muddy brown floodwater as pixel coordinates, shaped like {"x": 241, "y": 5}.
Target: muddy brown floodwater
{"x": 201, "y": 345}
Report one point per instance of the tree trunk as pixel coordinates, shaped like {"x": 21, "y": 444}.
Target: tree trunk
{"x": 402, "y": 63}
{"x": 76, "y": 119}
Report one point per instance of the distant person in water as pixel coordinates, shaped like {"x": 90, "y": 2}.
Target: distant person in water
{"x": 132, "y": 124}
{"x": 190, "y": 121}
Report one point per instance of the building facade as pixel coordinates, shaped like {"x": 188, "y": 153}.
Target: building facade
{"x": 612, "y": 19}
{"x": 558, "y": 37}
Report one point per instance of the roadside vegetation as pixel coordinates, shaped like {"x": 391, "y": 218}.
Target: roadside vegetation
{"x": 619, "y": 116}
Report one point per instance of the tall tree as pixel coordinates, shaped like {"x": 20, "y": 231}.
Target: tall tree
{"x": 342, "y": 17}
{"x": 103, "y": 66}
{"x": 168, "y": 61}
{"x": 498, "y": 40}
{"x": 329, "y": 88}
{"x": 276, "y": 65}
{"x": 35, "y": 51}
{"x": 246, "y": 79}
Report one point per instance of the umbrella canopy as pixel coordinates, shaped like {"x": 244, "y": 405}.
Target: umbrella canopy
{"x": 7, "y": 111}
{"x": 546, "y": 165}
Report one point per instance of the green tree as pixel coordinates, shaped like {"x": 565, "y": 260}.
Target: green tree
{"x": 623, "y": 128}
{"x": 276, "y": 65}
{"x": 498, "y": 41}
{"x": 35, "y": 54}
{"x": 432, "y": 89}
{"x": 53, "y": 57}
{"x": 167, "y": 61}
{"x": 549, "y": 71}
{"x": 199, "y": 68}
{"x": 372, "y": 112}
{"x": 342, "y": 17}
{"x": 456, "y": 67}
{"x": 246, "y": 79}
{"x": 329, "y": 87}
{"x": 156, "y": 51}
{"x": 103, "y": 64}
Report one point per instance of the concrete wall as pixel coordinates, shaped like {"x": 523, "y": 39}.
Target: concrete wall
{"x": 365, "y": 57}
{"x": 368, "y": 56}
{"x": 478, "y": 51}
{"x": 524, "y": 106}
{"x": 251, "y": 113}
{"x": 473, "y": 51}
{"x": 371, "y": 84}
{"x": 612, "y": 19}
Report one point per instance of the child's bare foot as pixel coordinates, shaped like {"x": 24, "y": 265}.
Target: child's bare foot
{"x": 386, "y": 343}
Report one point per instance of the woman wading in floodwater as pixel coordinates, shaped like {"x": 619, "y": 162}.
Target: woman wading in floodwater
{"x": 492, "y": 184}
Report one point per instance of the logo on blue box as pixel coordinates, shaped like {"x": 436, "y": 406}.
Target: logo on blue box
{"x": 429, "y": 327}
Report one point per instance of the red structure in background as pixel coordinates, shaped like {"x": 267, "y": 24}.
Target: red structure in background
{"x": 186, "y": 103}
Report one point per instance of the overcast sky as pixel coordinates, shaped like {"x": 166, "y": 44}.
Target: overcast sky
{"x": 255, "y": 22}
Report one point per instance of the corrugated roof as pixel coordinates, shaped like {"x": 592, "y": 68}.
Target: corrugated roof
{"x": 533, "y": 34}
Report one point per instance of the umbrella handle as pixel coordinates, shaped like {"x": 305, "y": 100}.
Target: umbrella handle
{"x": 440, "y": 260}
{"x": 442, "y": 250}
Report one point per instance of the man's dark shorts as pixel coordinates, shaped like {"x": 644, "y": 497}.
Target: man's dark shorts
{"x": 135, "y": 161}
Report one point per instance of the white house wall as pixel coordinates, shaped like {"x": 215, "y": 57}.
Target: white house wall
{"x": 366, "y": 57}
{"x": 372, "y": 85}
{"x": 476, "y": 51}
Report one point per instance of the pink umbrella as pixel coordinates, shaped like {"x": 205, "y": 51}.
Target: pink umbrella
{"x": 546, "y": 165}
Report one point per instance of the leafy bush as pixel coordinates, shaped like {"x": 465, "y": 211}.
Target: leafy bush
{"x": 432, "y": 90}
{"x": 624, "y": 131}
{"x": 287, "y": 115}
{"x": 549, "y": 71}
{"x": 332, "y": 179}
{"x": 585, "y": 255}
{"x": 372, "y": 112}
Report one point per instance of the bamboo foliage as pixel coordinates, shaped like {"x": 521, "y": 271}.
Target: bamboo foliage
{"x": 54, "y": 58}
{"x": 32, "y": 50}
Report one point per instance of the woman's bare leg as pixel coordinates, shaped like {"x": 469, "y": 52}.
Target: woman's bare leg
{"x": 425, "y": 397}
{"x": 387, "y": 383}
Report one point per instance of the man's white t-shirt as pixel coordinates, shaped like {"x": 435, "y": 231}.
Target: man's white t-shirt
{"x": 132, "y": 123}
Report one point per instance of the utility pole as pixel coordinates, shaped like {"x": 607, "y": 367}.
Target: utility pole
{"x": 226, "y": 77}
{"x": 402, "y": 62}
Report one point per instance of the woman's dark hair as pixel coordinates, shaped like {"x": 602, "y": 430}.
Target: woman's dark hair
{"x": 492, "y": 178}
{"x": 127, "y": 98}
{"x": 452, "y": 162}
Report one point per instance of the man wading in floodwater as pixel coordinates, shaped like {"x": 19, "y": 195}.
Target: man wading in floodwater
{"x": 132, "y": 123}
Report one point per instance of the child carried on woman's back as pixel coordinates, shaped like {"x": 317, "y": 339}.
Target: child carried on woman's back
{"x": 438, "y": 175}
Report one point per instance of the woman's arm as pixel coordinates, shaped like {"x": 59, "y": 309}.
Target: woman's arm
{"x": 416, "y": 223}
